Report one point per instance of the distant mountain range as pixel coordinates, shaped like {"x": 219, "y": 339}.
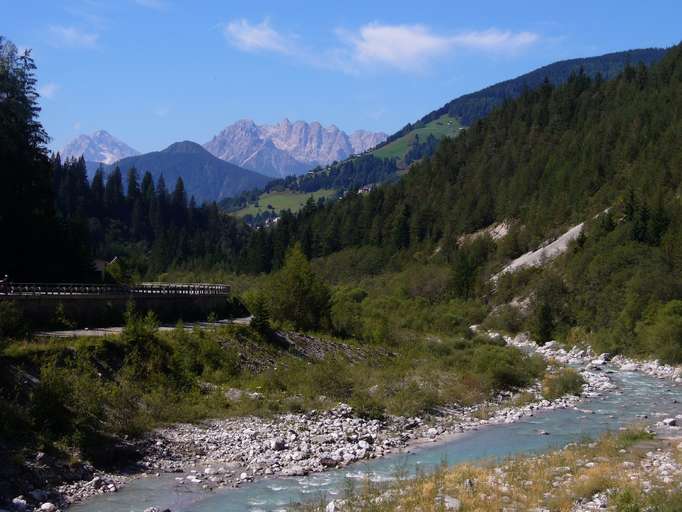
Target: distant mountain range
{"x": 206, "y": 177}
{"x": 288, "y": 148}
{"x": 241, "y": 157}
{"x": 101, "y": 146}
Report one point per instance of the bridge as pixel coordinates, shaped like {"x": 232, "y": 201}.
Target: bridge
{"x": 136, "y": 290}
{"x": 47, "y": 305}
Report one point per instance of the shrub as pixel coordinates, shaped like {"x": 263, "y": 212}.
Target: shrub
{"x": 662, "y": 332}
{"x": 11, "y": 320}
{"x": 367, "y": 405}
{"x": 566, "y": 381}
{"x": 504, "y": 367}
{"x": 346, "y": 312}
{"x": 506, "y": 318}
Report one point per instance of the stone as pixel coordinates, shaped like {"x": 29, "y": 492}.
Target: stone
{"x": 48, "y": 507}
{"x": 152, "y": 509}
{"x": 670, "y": 422}
{"x": 450, "y": 503}
{"x": 19, "y": 503}
{"x": 328, "y": 462}
{"x": 277, "y": 444}
{"x": 234, "y": 394}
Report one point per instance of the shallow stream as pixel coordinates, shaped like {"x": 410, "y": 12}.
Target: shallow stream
{"x": 637, "y": 396}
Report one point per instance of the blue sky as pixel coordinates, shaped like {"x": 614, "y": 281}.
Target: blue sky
{"x": 152, "y": 72}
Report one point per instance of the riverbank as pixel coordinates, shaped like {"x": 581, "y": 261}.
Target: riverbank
{"x": 229, "y": 453}
{"x": 629, "y": 470}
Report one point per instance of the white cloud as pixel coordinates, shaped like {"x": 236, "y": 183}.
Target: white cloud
{"x": 258, "y": 37}
{"x": 496, "y": 40}
{"x": 48, "y": 90}
{"x": 412, "y": 47}
{"x": 72, "y": 37}
{"x": 404, "y": 47}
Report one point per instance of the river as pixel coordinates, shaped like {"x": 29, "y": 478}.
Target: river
{"x": 636, "y": 396}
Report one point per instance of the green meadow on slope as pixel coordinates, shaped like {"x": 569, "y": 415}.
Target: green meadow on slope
{"x": 444, "y": 126}
{"x": 277, "y": 201}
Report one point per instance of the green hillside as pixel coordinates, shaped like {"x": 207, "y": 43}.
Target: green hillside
{"x": 277, "y": 201}
{"x": 444, "y": 126}
{"x": 552, "y": 158}
{"x": 469, "y": 108}
{"x": 389, "y": 160}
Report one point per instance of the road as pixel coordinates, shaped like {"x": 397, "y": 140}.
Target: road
{"x": 107, "y": 331}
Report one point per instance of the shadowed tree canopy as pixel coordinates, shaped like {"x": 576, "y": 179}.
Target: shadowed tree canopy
{"x": 36, "y": 244}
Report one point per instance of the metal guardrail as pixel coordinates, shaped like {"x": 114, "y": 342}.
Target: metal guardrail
{"x": 142, "y": 289}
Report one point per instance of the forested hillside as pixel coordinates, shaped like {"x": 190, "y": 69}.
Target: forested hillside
{"x": 471, "y": 107}
{"x": 142, "y": 222}
{"x": 420, "y": 139}
{"x": 206, "y": 177}
{"x": 552, "y": 158}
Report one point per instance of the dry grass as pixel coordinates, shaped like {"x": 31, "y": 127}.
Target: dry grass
{"x": 556, "y": 481}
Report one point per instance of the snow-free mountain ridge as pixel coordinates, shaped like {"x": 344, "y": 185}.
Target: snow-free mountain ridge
{"x": 288, "y": 148}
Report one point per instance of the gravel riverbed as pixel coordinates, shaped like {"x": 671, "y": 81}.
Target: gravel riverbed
{"x": 230, "y": 452}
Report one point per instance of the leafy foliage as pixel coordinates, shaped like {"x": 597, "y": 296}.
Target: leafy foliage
{"x": 297, "y": 295}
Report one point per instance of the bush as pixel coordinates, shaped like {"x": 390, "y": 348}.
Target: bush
{"x": 566, "y": 381}
{"x": 367, "y": 405}
{"x": 11, "y": 321}
{"x": 505, "y": 368}
{"x": 346, "y": 312}
{"x": 661, "y": 333}
{"x": 505, "y": 318}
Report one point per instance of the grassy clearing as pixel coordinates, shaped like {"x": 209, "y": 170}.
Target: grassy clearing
{"x": 554, "y": 481}
{"x": 283, "y": 200}
{"x": 445, "y": 126}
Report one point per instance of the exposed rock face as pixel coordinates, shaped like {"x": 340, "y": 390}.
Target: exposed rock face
{"x": 288, "y": 148}
{"x": 101, "y": 146}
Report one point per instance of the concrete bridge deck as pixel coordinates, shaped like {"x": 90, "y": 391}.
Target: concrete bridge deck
{"x": 10, "y": 289}
{"x": 92, "y": 305}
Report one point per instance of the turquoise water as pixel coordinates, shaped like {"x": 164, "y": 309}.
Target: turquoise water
{"x": 637, "y": 395}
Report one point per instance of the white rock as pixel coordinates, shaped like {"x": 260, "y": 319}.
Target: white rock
{"x": 19, "y": 503}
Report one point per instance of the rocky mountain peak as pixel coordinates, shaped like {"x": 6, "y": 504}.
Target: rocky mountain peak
{"x": 101, "y": 146}
{"x": 287, "y": 148}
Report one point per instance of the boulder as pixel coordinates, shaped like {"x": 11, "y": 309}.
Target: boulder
{"x": 449, "y": 503}
{"x": 277, "y": 444}
{"x": 328, "y": 462}
{"x": 48, "y": 507}
{"x": 234, "y": 394}
{"x": 19, "y": 503}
